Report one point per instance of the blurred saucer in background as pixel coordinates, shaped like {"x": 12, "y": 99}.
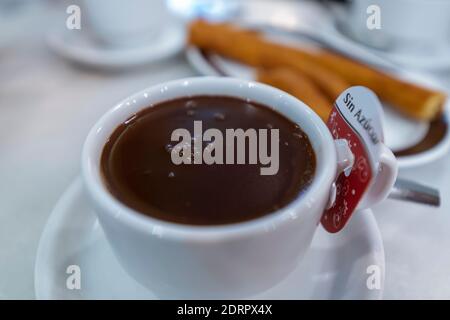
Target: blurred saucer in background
{"x": 79, "y": 47}
{"x": 414, "y": 36}
{"x": 432, "y": 59}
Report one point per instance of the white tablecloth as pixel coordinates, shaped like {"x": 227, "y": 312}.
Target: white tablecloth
{"x": 46, "y": 109}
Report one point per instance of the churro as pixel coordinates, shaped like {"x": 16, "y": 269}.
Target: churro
{"x": 299, "y": 86}
{"x": 330, "y": 72}
{"x": 251, "y": 48}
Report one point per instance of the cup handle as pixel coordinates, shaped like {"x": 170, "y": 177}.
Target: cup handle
{"x": 345, "y": 160}
{"x": 345, "y": 157}
{"x": 383, "y": 181}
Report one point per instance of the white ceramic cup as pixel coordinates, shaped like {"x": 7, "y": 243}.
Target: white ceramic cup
{"x": 125, "y": 23}
{"x": 223, "y": 261}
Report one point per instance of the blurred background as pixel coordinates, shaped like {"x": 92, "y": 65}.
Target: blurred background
{"x": 64, "y": 63}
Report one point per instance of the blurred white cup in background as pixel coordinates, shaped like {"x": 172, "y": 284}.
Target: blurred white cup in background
{"x": 403, "y": 22}
{"x": 125, "y": 23}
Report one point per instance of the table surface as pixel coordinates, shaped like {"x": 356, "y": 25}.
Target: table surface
{"x": 46, "y": 109}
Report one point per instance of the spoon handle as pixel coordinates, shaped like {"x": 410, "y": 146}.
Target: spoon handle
{"x": 407, "y": 190}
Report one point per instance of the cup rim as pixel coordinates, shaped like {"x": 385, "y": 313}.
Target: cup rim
{"x": 108, "y": 204}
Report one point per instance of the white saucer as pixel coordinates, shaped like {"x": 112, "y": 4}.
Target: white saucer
{"x": 77, "y": 46}
{"x": 334, "y": 268}
{"x": 400, "y": 132}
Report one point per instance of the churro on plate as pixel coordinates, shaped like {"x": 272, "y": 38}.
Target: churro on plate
{"x": 326, "y": 72}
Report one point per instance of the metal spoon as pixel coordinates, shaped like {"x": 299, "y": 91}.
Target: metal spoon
{"x": 408, "y": 190}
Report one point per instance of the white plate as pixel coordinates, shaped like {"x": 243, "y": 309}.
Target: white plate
{"x": 335, "y": 267}
{"x": 77, "y": 46}
{"x": 400, "y": 132}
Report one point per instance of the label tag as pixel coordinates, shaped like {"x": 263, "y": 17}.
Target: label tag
{"x": 356, "y": 117}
